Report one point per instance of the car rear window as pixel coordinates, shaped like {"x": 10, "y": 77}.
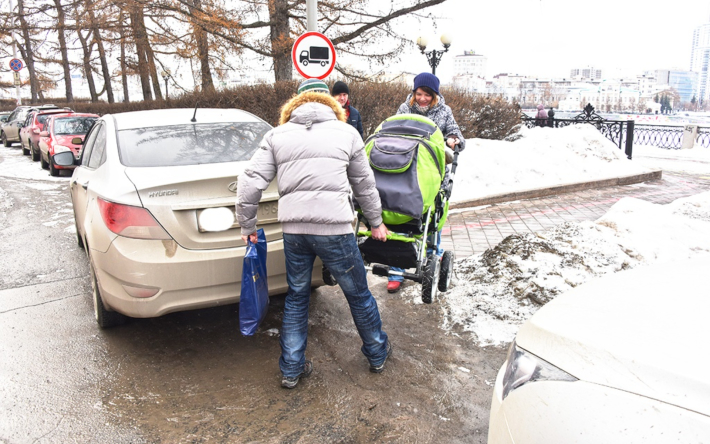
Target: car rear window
{"x": 42, "y": 118}
{"x": 190, "y": 144}
{"x": 73, "y": 126}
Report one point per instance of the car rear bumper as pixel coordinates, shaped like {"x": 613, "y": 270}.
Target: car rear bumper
{"x": 186, "y": 279}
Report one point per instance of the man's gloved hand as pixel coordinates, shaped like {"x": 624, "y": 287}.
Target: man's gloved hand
{"x": 452, "y": 142}
{"x": 380, "y": 233}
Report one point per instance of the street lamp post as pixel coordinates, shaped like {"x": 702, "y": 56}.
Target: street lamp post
{"x": 434, "y": 56}
{"x": 166, "y": 76}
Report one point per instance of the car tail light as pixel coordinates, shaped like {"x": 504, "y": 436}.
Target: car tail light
{"x": 128, "y": 221}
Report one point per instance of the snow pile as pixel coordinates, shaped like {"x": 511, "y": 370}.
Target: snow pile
{"x": 494, "y": 292}
{"x": 542, "y": 157}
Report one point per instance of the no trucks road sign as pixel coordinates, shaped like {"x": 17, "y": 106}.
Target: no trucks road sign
{"x": 313, "y": 55}
{"x": 16, "y": 64}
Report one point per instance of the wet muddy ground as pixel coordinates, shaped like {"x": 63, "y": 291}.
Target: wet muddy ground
{"x": 192, "y": 378}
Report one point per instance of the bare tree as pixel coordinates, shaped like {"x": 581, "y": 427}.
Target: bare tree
{"x": 359, "y": 27}
{"x": 96, "y": 34}
{"x": 63, "y": 51}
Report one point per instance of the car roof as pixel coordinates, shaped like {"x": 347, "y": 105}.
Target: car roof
{"x": 180, "y": 116}
{"x": 54, "y": 111}
{"x": 77, "y": 115}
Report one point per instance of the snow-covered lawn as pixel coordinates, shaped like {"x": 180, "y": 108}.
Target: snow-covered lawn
{"x": 542, "y": 157}
{"x": 494, "y": 292}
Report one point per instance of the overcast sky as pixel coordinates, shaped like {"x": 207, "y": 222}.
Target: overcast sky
{"x": 549, "y": 37}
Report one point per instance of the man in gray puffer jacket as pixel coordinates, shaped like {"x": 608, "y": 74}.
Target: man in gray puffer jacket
{"x": 316, "y": 158}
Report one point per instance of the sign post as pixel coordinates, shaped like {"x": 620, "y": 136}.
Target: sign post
{"x": 313, "y": 55}
{"x": 311, "y": 15}
{"x": 14, "y": 55}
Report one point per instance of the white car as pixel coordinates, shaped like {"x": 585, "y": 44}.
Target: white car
{"x": 618, "y": 360}
{"x": 153, "y": 196}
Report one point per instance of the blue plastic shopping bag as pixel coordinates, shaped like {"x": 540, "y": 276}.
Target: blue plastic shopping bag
{"x": 254, "y": 299}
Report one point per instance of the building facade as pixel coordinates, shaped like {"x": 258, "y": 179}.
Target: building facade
{"x": 700, "y": 59}
{"x": 684, "y": 82}
{"x": 470, "y": 71}
{"x": 471, "y": 64}
{"x": 588, "y": 73}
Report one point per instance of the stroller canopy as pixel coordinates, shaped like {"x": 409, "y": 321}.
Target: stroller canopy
{"x": 406, "y": 154}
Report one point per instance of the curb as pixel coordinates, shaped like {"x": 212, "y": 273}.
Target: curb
{"x": 557, "y": 189}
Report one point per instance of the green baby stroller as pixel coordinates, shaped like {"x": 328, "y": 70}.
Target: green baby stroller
{"x": 407, "y": 156}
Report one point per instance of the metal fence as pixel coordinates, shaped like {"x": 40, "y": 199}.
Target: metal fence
{"x": 615, "y": 130}
{"x": 661, "y": 136}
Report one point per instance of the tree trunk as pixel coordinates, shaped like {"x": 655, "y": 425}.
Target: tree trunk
{"x": 139, "y": 37}
{"x": 27, "y": 52}
{"x": 124, "y": 66}
{"x": 148, "y": 58}
{"x": 61, "y": 27}
{"x": 281, "y": 42}
{"x": 202, "y": 48}
{"x": 151, "y": 66}
{"x": 102, "y": 54}
{"x": 88, "y": 74}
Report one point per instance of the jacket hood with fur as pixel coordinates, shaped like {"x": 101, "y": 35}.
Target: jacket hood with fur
{"x": 310, "y": 107}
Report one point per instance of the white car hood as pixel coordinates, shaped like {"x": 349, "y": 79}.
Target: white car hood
{"x": 643, "y": 331}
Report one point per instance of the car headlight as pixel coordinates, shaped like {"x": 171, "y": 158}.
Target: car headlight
{"x": 523, "y": 367}
{"x": 60, "y": 149}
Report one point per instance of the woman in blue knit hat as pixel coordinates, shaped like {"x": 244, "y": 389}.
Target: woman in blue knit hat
{"x": 426, "y": 100}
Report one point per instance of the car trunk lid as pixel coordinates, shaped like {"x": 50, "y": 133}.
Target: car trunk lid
{"x": 177, "y": 195}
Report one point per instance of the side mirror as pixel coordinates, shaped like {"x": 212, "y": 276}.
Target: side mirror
{"x": 65, "y": 159}
{"x": 36, "y": 130}
{"x": 77, "y": 141}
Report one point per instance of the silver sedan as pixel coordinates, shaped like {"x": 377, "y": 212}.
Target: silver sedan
{"x": 154, "y": 196}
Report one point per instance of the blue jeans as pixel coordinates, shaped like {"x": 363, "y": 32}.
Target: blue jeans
{"x": 439, "y": 252}
{"x": 342, "y": 257}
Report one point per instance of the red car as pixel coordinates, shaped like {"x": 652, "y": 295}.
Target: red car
{"x": 32, "y": 126}
{"x": 64, "y": 132}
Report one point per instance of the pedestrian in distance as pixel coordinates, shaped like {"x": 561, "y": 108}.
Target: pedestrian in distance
{"x": 541, "y": 116}
{"x": 316, "y": 158}
{"x": 341, "y": 92}
{"x": 426, "y": 100}
{"x": 551, "y": 117}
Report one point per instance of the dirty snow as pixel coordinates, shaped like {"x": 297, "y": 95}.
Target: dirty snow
{"x": 693, "y": 161}
{"x": 542, "y": 157}
{"x": 18, "y": 166}
{"x": 6, "y": 202}
{"x": 494, "y": 292}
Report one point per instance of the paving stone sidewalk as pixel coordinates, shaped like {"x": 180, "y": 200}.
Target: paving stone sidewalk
{"x": 472, "y": 231}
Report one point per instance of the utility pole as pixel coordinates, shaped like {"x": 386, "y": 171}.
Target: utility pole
{"x": 14, "y": 55}
{"x": 311, "y": 15}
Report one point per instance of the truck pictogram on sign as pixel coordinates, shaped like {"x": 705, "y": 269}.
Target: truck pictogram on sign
{"x": 315, "y": 54}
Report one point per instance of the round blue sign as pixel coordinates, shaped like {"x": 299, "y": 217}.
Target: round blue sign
{"x": 16, "y": 64}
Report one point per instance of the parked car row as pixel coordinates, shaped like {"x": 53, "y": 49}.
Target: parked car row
{"x": 45, "y": 130}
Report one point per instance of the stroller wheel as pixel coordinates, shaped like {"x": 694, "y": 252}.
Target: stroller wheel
{"x": 430, "y": 282}
{"x": 328, "y": 278}
{"x": 447, "y": 263}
